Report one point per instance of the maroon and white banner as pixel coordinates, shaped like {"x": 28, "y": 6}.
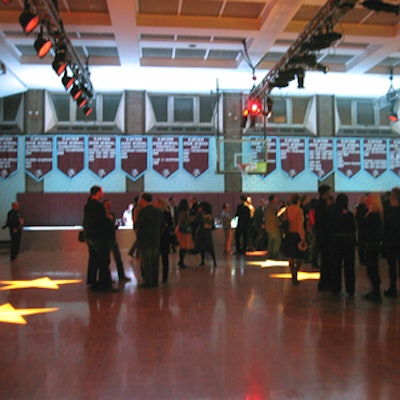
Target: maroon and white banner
{"x": 195, "y": 155}
{"x": 165, "y": 155}
{"x": 134, "y": 156}
{"x": 292, "y": 155}
{"x": 394, "y": 156}
{"x": 321, "y": 157}
{"x": 102, "y": 151}
{"x": 8, "y": 155}
{"x": 38, "y": 155}
{"x": 271, "y": 155}
{"x": 348, "y": 156}
{"x": 375, "y": 156}
{"x": 70, "y": 154}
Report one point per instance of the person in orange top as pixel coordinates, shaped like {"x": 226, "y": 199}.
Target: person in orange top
{"x": 295, "y": 245}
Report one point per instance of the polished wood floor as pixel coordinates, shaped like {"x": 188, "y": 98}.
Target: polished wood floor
{"x": 242, "y": 332}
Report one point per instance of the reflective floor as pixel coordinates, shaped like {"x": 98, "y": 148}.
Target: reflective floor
{"x": 241, "y": 332}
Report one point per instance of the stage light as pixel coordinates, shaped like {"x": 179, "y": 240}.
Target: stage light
{"x": 254, "y": 107}
{"x": 28, "y": 20}
{"x": 76, "y": 91}
{"x": 87, "y": 110}
{"x": 67, "y": 81}
{"x": 393, "y": 117}
{"x": 81, "y": 100}
{"x": 245, "y": 115}
{"x": 300, "y": 78}
{"x": 42, "y": 45}
{"x": 60, "y": 59}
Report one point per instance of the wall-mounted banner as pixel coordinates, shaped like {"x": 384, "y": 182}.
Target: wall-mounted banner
{"x": 321, "y": 157}
{"x": 102, "y": 153}
{"x": 195, "y": 155}
{"x": 165, "y": 155}
{"x": 8, "y": 155}
{"x": 375, "y": 156}
{"x": 38, "y": 156}
{"x": 292, "y": 155}
{"x": 394, "y": 156}
{"x": 134, "y": 156}
{"x": 348, "y": 156}
{"x": 70, "y": 154}
{"x": 271, "y": 155}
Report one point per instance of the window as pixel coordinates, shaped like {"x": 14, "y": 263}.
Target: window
{"x": 183, "y": 109}
{"x": 11, "y": 106}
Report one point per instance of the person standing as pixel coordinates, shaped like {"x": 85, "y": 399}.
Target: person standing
{"x": 127, "y": 217}
{"x": 391, "y": 223}
{"x": 243, "y": 225}
{"x": 173, "y": 210}
{"x": 112, "y": 241}
{"x": 149, "y": 224}
{"x": 15, "y": 224}
{"x": 272, "y": 227}
{"x": 204, "y": 240}
{"x": 342, "y": 229}
{"x": 183, "y": 232}
{"x": 226, "y": 228}
{"x": 96, "y": 223}
{"x": 372, "y": 224}
{"x": 322, "y": 237}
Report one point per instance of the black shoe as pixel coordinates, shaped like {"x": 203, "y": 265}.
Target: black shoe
{"x": 110, "y": 290}
{"x": 390, "y": 292}
{"x": 375, "y": 297}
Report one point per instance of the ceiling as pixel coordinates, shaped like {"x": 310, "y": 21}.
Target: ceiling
{"x": 198, "y": 45}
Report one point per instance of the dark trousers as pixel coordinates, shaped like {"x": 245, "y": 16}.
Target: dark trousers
{"x": 372, "y": 251}
{"x": 165, "y": 264}
{"x": 99, "y": 262}
{"x": 241, "y": 238}
{"x": 325, "y": 281}
{"x": 114, "y": 248}
{"x": 150, "y": 265}
{"x": 393, "y": 260}
{"x": 343, "y": 254}
{"x": 15, "y": 244}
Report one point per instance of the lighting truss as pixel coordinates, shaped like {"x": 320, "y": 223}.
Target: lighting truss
{"x": 47, "y": 10}
{"x": 333, "y": 10}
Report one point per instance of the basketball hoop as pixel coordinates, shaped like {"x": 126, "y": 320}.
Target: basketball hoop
{"x": 243, "y": 168}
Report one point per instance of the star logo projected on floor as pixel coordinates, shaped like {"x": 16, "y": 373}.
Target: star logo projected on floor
{"x": 11, "y": 315}
{"x": 40, "y": 283}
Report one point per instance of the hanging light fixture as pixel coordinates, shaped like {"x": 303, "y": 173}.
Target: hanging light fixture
{"x": 60, "y": 59}
{"x": 81, "y": 100}
{"x": 28, "y": 20}
{"x": 67, "y": 81}
{"x": 42, "y": 45}
{"x": 88, "y": 108}
{"x": 76, "y": 91}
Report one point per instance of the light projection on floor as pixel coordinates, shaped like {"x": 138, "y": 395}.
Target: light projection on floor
{"x": 301, "y": 276}
{"x": 11, "y": 315}
{"x": 40, "y": 283}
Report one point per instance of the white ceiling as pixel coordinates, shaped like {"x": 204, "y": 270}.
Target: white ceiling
{"x": 197, "y": 45}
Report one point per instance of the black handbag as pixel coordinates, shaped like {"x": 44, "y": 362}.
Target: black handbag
{"x": 82, "y": 236}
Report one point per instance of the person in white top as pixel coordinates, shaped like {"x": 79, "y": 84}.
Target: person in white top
{"x": 127, "y": 218}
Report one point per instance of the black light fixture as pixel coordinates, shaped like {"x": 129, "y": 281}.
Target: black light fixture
{"x": 42, "y": 45}
{"x": 393, "y": 117}
{"x": 88, "y": 109}
{"x": 76, "y": 91}
{"x": 60, "y": 59}
{"x": 300, "y": 73}
{"x": 81, "y": 100}
{"x": 28, "y": 20}
{"x": 67, "y": 81}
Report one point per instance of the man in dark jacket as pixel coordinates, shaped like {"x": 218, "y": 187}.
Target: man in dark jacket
{"x": 96, "y": 223}
{"x": 15, "y": 224}
{"x": 149, "y": 225}
{"x": 243, "y": 225}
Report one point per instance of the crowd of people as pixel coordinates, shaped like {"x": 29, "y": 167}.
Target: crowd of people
{"x": 323, "y": 231}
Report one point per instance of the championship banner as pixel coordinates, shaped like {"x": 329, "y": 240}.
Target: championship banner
{"x": 271, "y": 155}
{"x": 38, "y": 156}
{"x": 195, "y": 155}
{"x": 70, "y": 154}
{"x": 394, "y": 156}
{"x": 375, "y": 156}
{"x": 102, "y": 152}
{"x": 134, "y": 156}
{"x": 8, "y": 155}
{"x": 165, "y": 155}
{"x": 321, "y": 157}
{"x": 348, "y": 153}
{"x": 292, "y": 155}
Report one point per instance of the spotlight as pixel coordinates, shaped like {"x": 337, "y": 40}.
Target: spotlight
{"x": 87, "y": 110}
{"x": 76, "y": 91}
{"x": 393, "y": 117}
{"x": 245, "y": 115}
{"x": 81, "y": 100}
{"x": 300, "y": 78}
{"x": 28, "y": 20}
{"x": 60, "y": 62}
{"x": 42, "y": 45}
{"x": 67, "y": 81}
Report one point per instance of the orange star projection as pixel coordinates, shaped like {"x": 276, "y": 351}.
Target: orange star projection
{"x": 11, "y": 315}
{"x": 41, "y": 283}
